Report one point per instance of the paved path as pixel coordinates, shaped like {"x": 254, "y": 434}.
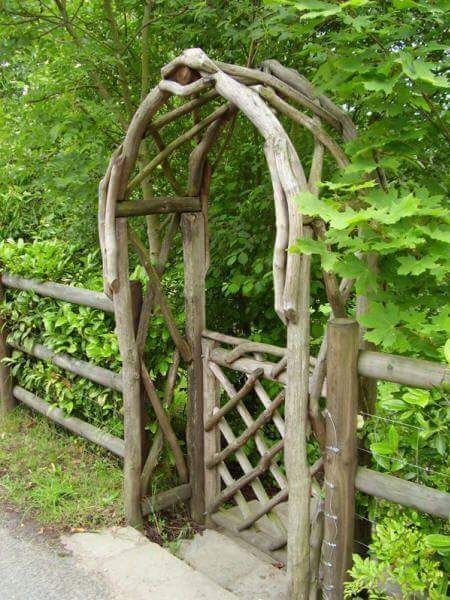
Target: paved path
{"x": 113, "y": 564}
{"x": 31, "y": 568}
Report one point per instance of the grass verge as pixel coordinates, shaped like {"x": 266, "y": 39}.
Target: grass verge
{"x": 55, "y": 478}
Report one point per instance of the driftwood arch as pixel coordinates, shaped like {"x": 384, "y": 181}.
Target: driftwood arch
{"x": 260, "y": 95}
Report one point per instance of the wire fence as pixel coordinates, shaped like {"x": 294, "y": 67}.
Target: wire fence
{"x": 405, "y": 463}
{"x": 394, "y": 421}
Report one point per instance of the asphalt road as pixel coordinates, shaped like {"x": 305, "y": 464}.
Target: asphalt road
{"x": 33, "y": 568}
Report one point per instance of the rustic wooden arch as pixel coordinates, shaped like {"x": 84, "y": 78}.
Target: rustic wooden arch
{"x": 260, "y": 95}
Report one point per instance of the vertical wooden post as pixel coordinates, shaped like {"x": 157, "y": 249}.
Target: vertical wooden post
{"x": 131, "y": 374}
{"x": 341, "y": 456}
{"x": 193, "y": 232}
{"x": 136, "y": 306}
{"x": 211, "y": 400}
{"x": 367, "y": 401}
{"x": 7, "y": 402}
{"x": 296, "y": 417}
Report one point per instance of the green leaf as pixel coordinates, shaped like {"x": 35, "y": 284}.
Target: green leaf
{"x": 393, "y": 438}
{"x": 393, "y": 404}
{"x": 383, "y": 448}
{"x": 447, "y": 351}
{"x": 417, "y": 397}
{"x": 439, "y": 542}
{"x": 417, "y": 69}
{"x": 380, "y": 85}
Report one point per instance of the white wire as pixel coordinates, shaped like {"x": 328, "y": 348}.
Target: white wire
{"x": 330, "y": 544}
{"x": 401, "y": 460}
{"x": 396, "y": 421}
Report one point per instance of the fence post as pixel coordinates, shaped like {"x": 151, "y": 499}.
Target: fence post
{"x": 341, "y": 454}
{"x": 136, "y": 305}
{"x": 193, "y": 233}
{"x": 131, "y": 376}
{"x": 7, "y": 402}
{"x": 211, "y": 400}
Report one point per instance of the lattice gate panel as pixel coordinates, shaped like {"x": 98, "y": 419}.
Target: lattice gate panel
{"x": 244, "y": 440}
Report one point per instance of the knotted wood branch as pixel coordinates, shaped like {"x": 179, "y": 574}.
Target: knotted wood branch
{"x": 157, "y": 445}
{"x": 164, "y": 423}
{"x": 160, "y": 297}
{"x": 287, "y": 173}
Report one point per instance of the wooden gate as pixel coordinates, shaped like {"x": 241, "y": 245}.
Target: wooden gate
{"x": 244, "y": 440}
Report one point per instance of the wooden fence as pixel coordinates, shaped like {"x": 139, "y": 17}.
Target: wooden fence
{"x": 346, "y": 364}
{"x": 11, "y": 393}
{"x": 259, "y": 489}
{"x": 342, "y": 475}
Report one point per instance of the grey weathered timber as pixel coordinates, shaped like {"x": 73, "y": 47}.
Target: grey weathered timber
{"x": 211, "y": 403}
{"x": 166, "y": 499}
{"x": 400, "y": 369}
{"x": 89, "y": 432}
{"x": 296, "y": 421}
{"x": 158, "y": 205}
{"x": 155, "y": 283}
{"x": 67, "y": 293}
{"x": 340, "y": 457}
{"x": 6, "y": 395}
{"x": 247, "y": 365}
{"x": 407, "y": 493}
{"x": 251, "y": 430}
{"x": 247, "y": 347}
{"x": 212, "y": 418}
{"x": 193, "y": 233}
{"x": 153, "y": 456}
{"x": 131, "y": 382}
{"x": 136, "y": 306}
{"x": 94, "y": 373}
{"x": 236, "y": 341}
{"x": 164, "y": 423}
{"x": 250, "y": 365}
{"x": 231, "y": 490}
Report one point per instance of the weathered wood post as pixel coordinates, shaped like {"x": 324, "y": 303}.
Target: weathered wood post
{"x": 341, "y": 456}
{"x": 131, "y": 376}
{"x": 193, "y": 232}
{"x": 367, "y": 400}
{"x": 295, "y": 454}
{"x": 211, "y": 394}
{"x": 7, "y": 402}
{"x": 136, "y": 306}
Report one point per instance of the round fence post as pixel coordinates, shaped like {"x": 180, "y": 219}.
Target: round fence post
{"x": 131, "y": 376}
{"x": 193, "y": 234}
{"x": 7, "y": 401}
{"x": 341, "y": 454}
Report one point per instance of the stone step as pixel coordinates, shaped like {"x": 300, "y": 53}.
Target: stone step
{"x": 138, "y": 569}
{"x": 235, "y": 566}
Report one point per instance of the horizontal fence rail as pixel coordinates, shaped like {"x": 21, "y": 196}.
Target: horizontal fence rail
{"x": 412, "y": 372}
{"x": 166, "y": 499}
{"x": 158, "y": 205}
{"x": 247, "y": 365}
{"x": 400, "y": 491}
{"x": 73, "y": 424}
{"x": 99, "y": 375}
{"x": 58, "y": 291}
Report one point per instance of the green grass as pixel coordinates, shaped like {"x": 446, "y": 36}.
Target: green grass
{"x": 56, "y": 478}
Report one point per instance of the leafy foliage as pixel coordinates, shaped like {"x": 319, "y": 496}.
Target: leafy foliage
{"x": 69, "y": 86}
{"x": 403, "y": 560}
{"x": 408, "y": 437}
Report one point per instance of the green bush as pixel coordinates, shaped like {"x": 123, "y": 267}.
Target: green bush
{"x": 403, "y": 560}
{"x": 82, "y": 332}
